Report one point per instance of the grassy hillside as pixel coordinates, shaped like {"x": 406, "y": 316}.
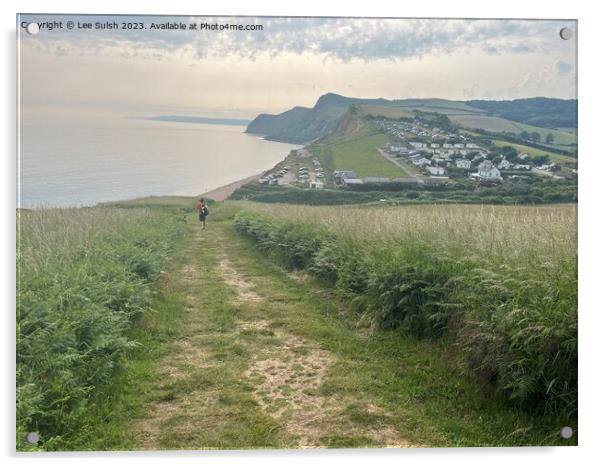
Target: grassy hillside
{"x": 538, "y": 111}
{"x": 501, "y": 282}
{"x": 488, "y": 123}
{"x": 447, "y": 107}
{"x": 386, "y": 112}
{"x": 499, "y": 125}
{"x": 356, "y": 152}
{"x": 557, "y": 158}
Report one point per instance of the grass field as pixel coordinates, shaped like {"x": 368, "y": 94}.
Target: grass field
{"x": 562, "y": 139}
{"x": 386, "y": 112}
{"x": 488, "y": 123}
{"x": 357, "y": 152}
{"x": 557, "y": 158}
{"x": 447, "y": 107}
{"x": 410, "y": 167}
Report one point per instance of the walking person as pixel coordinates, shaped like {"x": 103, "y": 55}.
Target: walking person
{"x": 201, "y": 208}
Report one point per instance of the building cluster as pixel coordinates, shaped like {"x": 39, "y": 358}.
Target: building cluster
{"x": 409, "y": 129}
{"x": 436, "y": 152}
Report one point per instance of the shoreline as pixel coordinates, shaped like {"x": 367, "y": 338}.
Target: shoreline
{"x": 224, "y": 192}
{"x": 218, "y": 194}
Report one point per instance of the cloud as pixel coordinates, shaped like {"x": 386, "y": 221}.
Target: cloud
{"x": 562, "y": 68}
{"x": 331, "y": 38}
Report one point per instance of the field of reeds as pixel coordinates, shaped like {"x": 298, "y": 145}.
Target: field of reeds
{"x": 83, "y": 277}
{"x": 499, "y": 283}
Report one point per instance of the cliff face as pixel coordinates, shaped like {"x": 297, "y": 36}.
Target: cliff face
{"x": 266, "y": 124}
{"x": 350, "y": 122}
{"x": 301, "y": 125}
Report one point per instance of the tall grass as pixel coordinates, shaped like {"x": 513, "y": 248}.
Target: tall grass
{"x": 500, "y": 282}
{"x": 83, "y": 276}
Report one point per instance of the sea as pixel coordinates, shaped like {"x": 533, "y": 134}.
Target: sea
{"x": 81, "y": 161}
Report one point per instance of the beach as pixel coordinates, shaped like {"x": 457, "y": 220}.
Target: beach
{"x": 224, "y": 192}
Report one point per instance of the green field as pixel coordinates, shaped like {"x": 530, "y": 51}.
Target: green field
{"x": 357, "y": 152}
{"x": 562, "y": 139}
{"x": 410, "y": 167}
{"x": 387, "y": 112}
{"x": 447, "y": 107}
{"x": 488, "y": 123}
{"x": 568, "y": 130}
{"x": 557, "y": 158}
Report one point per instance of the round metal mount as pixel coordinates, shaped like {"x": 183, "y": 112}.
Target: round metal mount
{"x": 33, "y": 28}
{"x": 33, "y": 437}
{"x": 566, "y": 33}
{"x": 566, "y": 432}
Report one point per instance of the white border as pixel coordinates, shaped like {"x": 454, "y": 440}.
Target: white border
{"x": 589, "y": 220}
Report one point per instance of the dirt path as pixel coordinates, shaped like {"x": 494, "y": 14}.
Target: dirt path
{"x": 392, "y": 159}
{"x": 250, "y": 369}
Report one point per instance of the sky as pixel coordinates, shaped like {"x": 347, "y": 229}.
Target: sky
{"x": 290, "y": 62}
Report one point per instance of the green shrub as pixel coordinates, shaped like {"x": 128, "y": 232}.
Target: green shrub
{"x": 84, "y": 275}
{"x": 499, "y": 282}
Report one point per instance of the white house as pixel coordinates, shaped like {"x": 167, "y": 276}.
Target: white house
{"x": 434, "y": 145}
{"x": 352, "y": 181}
{"x": 399, "y": 149}
{"x": 459, "y": 146}
{"x": 343, "y": 174}
{"x": 448, "y": 146}
{"x": 422, "y": 162}
{"x": 504, "y": 164}
{"x": 463, "y": 163}
{"x": 488, "y": 171}
{"x": 436, "y": 171}
{"x": 418, "y": 145}
{"x": 316, "y": 184}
